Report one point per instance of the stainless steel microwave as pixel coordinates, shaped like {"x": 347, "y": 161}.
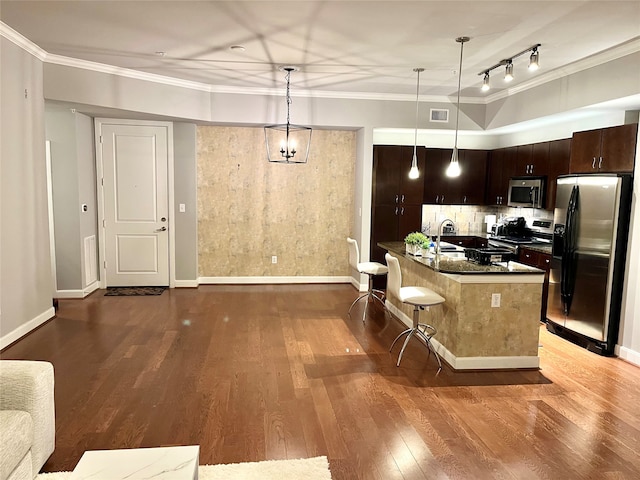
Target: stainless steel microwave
{"x": 526, "y": 192}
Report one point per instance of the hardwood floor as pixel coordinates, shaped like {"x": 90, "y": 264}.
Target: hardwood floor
{"x": 269, "y": 372}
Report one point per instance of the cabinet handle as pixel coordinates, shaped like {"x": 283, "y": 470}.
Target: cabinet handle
{"x": 442, "y": 198}
{"x": 402, "y": 211}
{"x": 593, "y": 164}
{"x": 397, "y": 196}
{"x": 464, "y": 199}
{"x": 437, "y": 198}
{"x": 402, "y": 200}
{"x": 396, "y": 210}
{"x": 600, "y": 164}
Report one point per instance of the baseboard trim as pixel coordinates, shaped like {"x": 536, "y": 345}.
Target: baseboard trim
{"x": 361, "y": 287}
{"x": 186, "y": 284}
{"x": 77, "y": 293}
{"x": 628, "y": 355}
{"x": 470, "y": 363}
{"x": 270, "y": 280}
{"x": 27, "y": 327}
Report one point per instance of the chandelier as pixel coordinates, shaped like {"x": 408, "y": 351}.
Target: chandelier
{"x": 287, "y": 143}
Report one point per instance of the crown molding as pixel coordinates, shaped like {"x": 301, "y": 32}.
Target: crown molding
{"x": 21, "y": 41}
{"x": 124, "y": 72}
{"x": 611, "y": 54}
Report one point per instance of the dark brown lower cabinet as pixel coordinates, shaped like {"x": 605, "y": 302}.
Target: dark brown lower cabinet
{"x": 542, "y": 261}
{"x": 390, "y": 223}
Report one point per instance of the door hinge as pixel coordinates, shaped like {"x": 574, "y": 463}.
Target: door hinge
{"x": 104, "y": 223}
{"x": 105, "y": 264}
{"x": 102, "y": 182}
{"x": 100, "y": 138}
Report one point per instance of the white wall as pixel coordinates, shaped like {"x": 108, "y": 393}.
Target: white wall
{"x": 185, "y": 188}
{"x": 73, "y": 178}
{"x": 25, "y": 263}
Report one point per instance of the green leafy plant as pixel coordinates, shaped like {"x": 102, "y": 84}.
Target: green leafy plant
{"x": 416, "y": 238}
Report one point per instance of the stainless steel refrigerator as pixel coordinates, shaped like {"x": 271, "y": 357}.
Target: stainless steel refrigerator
{"x": 591, "y": 223}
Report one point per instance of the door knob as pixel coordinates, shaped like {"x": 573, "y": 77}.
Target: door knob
{"x": 163, "y": 219}
{"x": 161, "y": 229}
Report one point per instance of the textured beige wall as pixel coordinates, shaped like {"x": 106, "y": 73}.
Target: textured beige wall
{"x": 250, "y": 209}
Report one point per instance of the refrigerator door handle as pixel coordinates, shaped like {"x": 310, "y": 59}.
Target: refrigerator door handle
{"x": 567, "y": 281}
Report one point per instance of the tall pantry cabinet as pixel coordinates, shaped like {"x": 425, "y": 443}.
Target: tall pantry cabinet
{"x": 396, "y": 206}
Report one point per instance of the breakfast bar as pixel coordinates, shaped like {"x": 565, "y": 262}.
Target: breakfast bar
{"x": 491, "y": 315}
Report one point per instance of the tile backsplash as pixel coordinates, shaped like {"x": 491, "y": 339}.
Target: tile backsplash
{"x": 470, "y": 219}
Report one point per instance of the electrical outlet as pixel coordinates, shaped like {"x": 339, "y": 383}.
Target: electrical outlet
{"x": 274, "y": 259}
{"x": 495, "y": 300}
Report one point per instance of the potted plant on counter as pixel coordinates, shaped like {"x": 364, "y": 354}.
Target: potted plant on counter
{"x": 414, "y": 241}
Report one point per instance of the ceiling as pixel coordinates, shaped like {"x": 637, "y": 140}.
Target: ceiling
{"x": 346, "y": 47}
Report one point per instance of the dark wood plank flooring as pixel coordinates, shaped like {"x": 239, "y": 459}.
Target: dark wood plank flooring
{"x": 270, "y": 372}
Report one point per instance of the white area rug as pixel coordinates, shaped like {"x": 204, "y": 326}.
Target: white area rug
{"x": 316, "y": 468}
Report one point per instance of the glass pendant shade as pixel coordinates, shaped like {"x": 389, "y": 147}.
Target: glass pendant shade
{"x": 453, "y": 170}
{"x": 414, "y": 172}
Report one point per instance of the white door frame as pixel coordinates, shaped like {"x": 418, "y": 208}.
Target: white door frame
{"x": 99, "y": 122}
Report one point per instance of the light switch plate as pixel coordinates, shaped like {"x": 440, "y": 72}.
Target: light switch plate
{"x": 495, "y": 300}
{"x": 182, "y": 208}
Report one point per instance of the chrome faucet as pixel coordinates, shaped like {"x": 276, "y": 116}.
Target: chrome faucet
{"x": 440, "y": 233}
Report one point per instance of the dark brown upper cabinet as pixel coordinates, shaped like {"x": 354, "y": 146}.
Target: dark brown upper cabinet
{"x": 467, "y": 189}
{"x": 605, "y": 150}
{"x": 502, "y": 163}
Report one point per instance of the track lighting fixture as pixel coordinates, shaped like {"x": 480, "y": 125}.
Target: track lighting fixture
{"x": 508, "y": 64}
{"x": 533, "y": 59}
{"x": 485, "y": 82}
{"x": 508, "y": 71}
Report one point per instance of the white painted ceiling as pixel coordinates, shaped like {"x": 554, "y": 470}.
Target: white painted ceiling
{"x": 351, "y": 47}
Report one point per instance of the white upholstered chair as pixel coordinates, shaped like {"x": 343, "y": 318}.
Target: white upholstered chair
{"x": 371, "y": 269}
{"x": 419, "y": 297}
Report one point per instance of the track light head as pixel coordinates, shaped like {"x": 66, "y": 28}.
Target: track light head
{"x": 508, "y": 71}
{"x": 533, "y": 60}
{"x": 485, "y": 82}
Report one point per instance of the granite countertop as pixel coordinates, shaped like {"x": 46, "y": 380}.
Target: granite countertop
{"x": 446, "y": 264}
{"x": 543, "y": 248}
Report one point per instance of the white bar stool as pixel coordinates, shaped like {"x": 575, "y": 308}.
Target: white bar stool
{"x": 419, "y": 297}
{"x": 371, "y": 269}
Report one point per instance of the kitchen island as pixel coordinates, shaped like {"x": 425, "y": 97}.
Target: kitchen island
{"x": 473, "y": 334}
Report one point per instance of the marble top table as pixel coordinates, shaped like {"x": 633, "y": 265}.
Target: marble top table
{"x": 161, "y": 463}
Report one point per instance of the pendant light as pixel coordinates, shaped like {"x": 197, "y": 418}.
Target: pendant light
{"x": 285, "y": 141}
{"x": 453, "y": 170}
{"x": 414, "y": 172}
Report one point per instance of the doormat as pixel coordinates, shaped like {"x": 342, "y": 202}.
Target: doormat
{"x": 133, "y": 291}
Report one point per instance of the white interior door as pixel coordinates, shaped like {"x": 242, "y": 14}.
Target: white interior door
{"x": 135, "y": 178}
